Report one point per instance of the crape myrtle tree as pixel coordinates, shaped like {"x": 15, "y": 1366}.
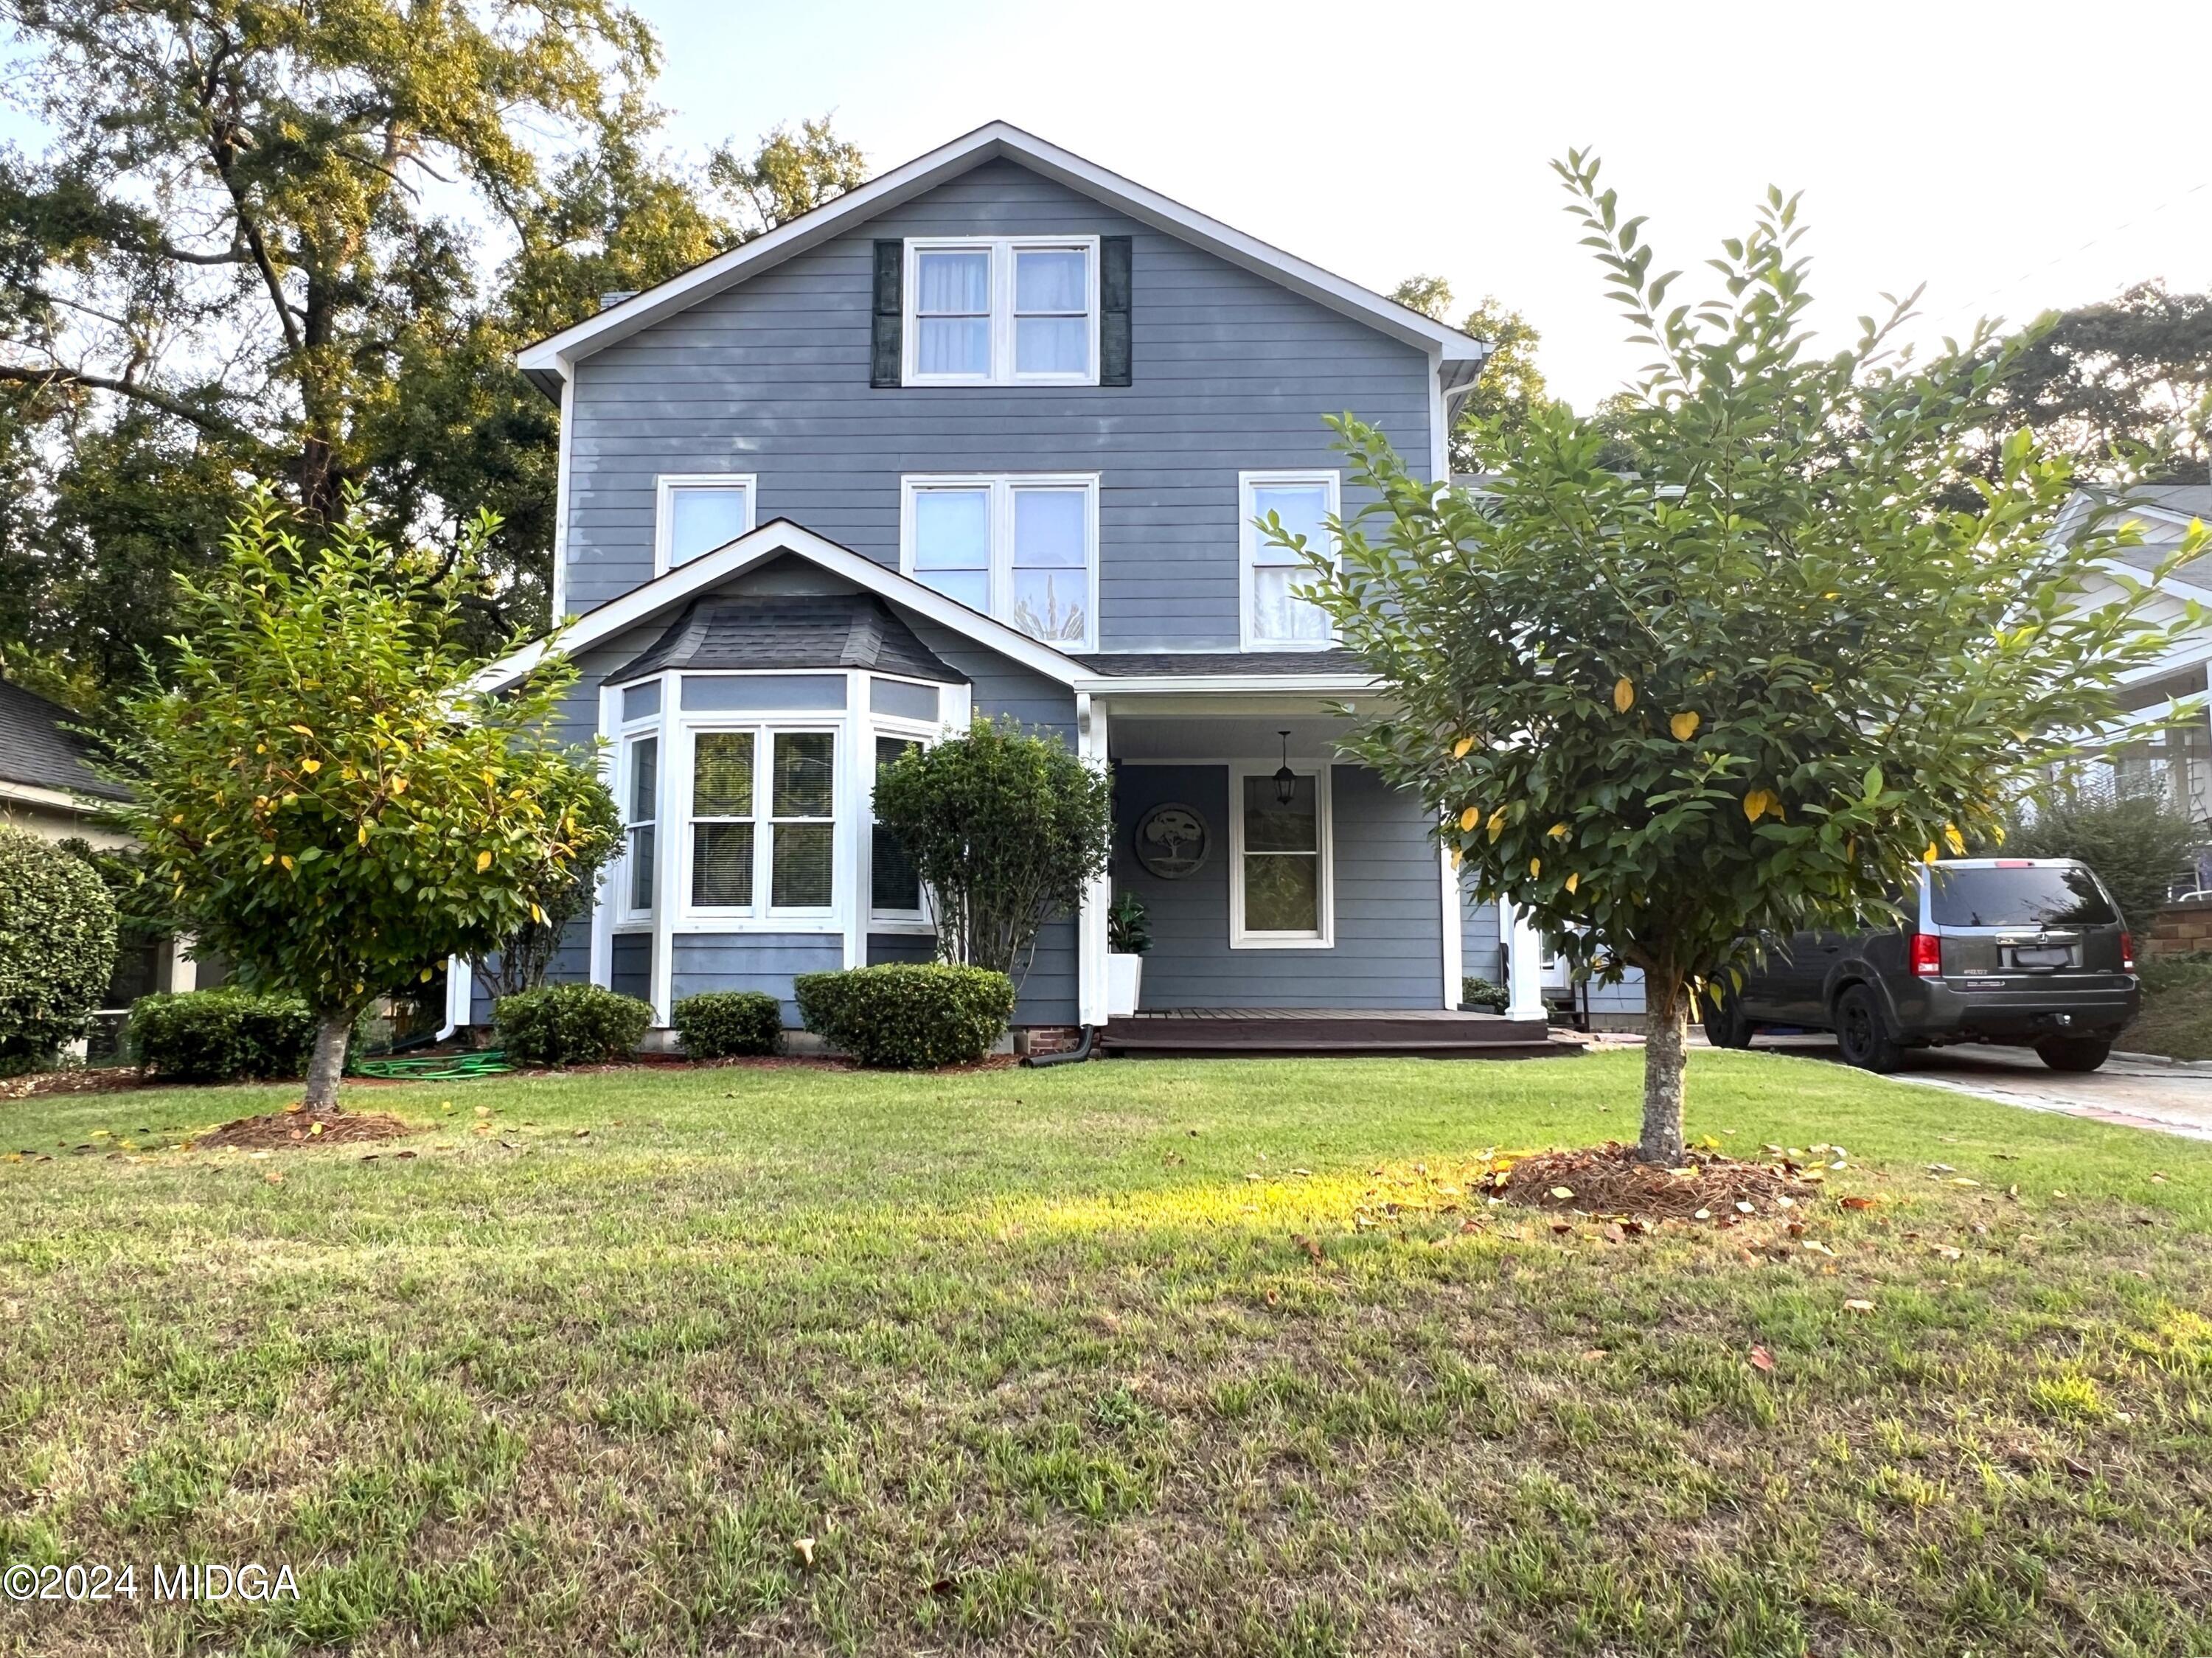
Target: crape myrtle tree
{"x": 1004, "y": 827}
{"x": 322, "y": 794}
{"x": 1752, "y": 688}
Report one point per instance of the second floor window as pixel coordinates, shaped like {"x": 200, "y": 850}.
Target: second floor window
{"x": 1021, "y": 547}
{"x": 1002, "y": 311}
{"x": 697, "y": 512}
{"x": 1277, "y": 616}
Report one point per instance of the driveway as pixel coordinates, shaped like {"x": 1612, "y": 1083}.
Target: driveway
{"x": 2174, "y": 1099}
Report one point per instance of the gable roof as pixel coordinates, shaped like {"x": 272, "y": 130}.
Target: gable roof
{"x": 2161, "y": 513}
{"x": 36, "y": 748}
{"x": 657, "y": 598}
{"x": 1459, "y": 355}
{"x": 836, "y": 630}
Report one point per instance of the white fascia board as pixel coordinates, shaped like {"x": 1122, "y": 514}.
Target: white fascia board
{"x": 1299, "y": 684}
{"x": 558, "y": 353}
{"x": 2172, "y": 586}
{"x": 37, "y": 794}
{"x": 663, "y": 592}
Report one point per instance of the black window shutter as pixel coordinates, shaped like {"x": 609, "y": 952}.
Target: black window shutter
{"x": 1114, "y": 311}
{"x": 884, "y": 363}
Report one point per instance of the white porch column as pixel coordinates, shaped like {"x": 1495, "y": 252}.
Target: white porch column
{"x": 1091, "y": 917}
{"x": 1454, "y": 933}
{"x": 602, "y": 967}
{"x": 184, "y": 971}
{"x": 1525, "y": 963}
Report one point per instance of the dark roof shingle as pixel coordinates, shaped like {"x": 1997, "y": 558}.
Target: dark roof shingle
{"x": 852, "y": 630}
{"x": 35, "y": 749}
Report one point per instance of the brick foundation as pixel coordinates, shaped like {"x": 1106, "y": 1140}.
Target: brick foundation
{"x": 1046, "y": 1038}
{"x": 2178, "y": 930}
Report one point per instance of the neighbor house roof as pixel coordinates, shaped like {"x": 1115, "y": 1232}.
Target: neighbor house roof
{"x": 37, "y": 749}
{"x": 847, "y": 630}
{"x": 1459, "y": 355}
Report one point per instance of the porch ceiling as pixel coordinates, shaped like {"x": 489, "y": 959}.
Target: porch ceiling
{"x": 1314, "y": 733}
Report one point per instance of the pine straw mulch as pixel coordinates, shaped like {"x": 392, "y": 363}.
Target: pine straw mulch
{"x": 297, "y": 1127}
{"x": 1608, "y": 1183}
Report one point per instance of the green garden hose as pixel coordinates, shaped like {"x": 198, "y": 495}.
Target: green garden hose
{"x": 437, "y": 1067}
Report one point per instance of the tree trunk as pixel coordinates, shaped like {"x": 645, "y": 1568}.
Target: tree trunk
{"x": 332, "y": 1031}
{"x": 1662, "y": 1071}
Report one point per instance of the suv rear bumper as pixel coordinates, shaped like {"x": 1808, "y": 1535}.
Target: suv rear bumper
{"x": 1933, "y": 1010}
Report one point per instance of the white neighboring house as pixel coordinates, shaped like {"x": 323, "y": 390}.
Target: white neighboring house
{"x": 2178, "y": 756}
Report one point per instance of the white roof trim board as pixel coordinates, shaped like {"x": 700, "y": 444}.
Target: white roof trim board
{"x": 554, "y": 357}
{"x": 664, "y": 593}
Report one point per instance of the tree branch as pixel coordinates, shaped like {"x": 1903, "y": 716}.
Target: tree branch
{"x": 57, "y": 375}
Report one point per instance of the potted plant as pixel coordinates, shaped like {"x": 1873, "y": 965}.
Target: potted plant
{"x": 1127, "y": 939}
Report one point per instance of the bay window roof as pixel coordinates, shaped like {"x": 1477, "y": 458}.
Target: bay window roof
{"x": 847, "y": 630}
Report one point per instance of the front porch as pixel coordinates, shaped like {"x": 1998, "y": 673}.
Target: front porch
{"x": 1419, "y": 1033}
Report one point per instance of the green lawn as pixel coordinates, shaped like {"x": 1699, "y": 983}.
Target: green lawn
{"x": 1040, "y": 1363}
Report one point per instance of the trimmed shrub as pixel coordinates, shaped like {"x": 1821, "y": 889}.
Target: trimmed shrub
{"x": 570, "y": 1024}
{"x": 56, "y": 948}
{"x": 1481, "y": 995}
{"x": 728, "y": 1025}
{"x": 906, "y": 1017}
{"x": 220, "y": 1036}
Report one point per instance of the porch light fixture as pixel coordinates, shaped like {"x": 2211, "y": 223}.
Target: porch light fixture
{"x": 1286, "y": 781}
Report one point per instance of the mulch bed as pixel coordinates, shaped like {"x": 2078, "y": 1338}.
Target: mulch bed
{"x": 1608, "y": 1181}
{"x": 86, "y": 1079}
{"x": 297, "y": 1127}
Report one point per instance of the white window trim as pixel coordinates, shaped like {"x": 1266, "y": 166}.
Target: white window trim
{"x": 1002, "y": 250}
{"x": 628, "y": 919}
{"x": 1239, "y": 939}
{"x": 835, "y": 723}
{"x": 1249, "y": 544}
{"x": 1000, "y": 585}
{"x": 663, "y": 515}
{"x": 917, "y": 920}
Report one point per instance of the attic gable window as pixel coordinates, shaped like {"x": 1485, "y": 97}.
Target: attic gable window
{"x": 1001, "y": 311}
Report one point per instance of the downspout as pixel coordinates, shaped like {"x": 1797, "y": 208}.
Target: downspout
{"x": 1067, "y": 1056}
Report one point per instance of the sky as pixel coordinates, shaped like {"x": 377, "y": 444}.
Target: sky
{"x": 2011, "y": 157}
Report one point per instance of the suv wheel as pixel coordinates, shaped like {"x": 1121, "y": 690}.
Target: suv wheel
{"x": 1725, "y": 1025}
{"x": 1863, "y": 1034}
{"x": 2074, "y": 1053}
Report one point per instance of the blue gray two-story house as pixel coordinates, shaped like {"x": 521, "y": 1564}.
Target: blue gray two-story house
{"x": 987, "y": 435}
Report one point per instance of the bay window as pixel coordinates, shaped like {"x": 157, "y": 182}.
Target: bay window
{"x": 764, "y": 821}
{"x": 894, "y": 884}
{"x": 1276, "y": 615}
{"x": 1021, "y": 547}
{"x": 640, "y": 797}
{"x": 1001, "y": 311}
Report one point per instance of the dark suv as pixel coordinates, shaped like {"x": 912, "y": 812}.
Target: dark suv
{"x": 2024, "y": 950}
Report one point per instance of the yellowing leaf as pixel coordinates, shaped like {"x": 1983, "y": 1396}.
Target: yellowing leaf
{"x": 1757, "y": 804}
{"x": 1460, "y": 748}
{"x": 538, "y": 915}
{"x": 361, "y": 836}
{"x": 1573, "y": 881}
{"x": 311, "y": 767}
{"x": 304, "y": 731}
{"x": 1931, "y": 855}
{"x": 1953, "y": 840}
{"x": 1623, "y": 695}
{"x": 484, "y": 862}
{"x": 1684, "y": 725}
{"x": 287, "y": 862}
{"x": 265, "y": 862}
{"x": 1558, "y": 831}
{"x": 399, "y": 786}
{"x": 1498, "y": 822}
{"x": 1535, "y": 867}
{"x": 1457, "y": 858}
{"x": 1469, "y": 818}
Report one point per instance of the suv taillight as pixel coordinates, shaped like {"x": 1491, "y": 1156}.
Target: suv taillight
{"x": 2127, "y": 952}
{"x": 1927, "y": 955}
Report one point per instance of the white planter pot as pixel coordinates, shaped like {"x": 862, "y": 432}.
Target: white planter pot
{"x": 1124, "y": 977}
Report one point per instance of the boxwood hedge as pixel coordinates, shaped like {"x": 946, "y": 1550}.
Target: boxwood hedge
{"x": 905, "y": 1017}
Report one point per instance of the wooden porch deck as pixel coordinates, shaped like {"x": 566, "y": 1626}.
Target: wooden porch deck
{"x": 1402, "y": 1033}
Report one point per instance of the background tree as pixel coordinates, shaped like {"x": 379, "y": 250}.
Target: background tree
{"x": 1755, "y": 687}
{"x": 1005, "y": 828}
{"x": 2137, "y": 841}
{"x": 323, "y": 798}
{"x": 56, "y": 947}
{"x": 2134, "y": 372}
{"x": 252, "y": 224}
{"x": 1510, "y": 386}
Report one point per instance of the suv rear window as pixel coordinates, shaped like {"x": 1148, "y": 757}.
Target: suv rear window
{"x": 2055, "y": 895}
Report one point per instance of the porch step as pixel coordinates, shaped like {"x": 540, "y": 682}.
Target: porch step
{"x": 1401, "y": 1033}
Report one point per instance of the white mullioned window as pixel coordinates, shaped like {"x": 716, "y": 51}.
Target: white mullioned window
{"x": 894, "y": 884}
{"x": 1001, "y": 311}
{"x": 1022, "y": 547}
{"x": 695, "y": 512}
{"x": 639, "y": 798}
{"x": 763, "y": 820}
{"x": 1273, "y": 577}
{"x": 1280, "y": 891}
